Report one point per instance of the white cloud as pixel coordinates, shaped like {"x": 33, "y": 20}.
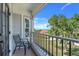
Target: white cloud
{"x": 65, "y": 6}
{"x": 36, "y": 19}
{"x": 40, "y": 26}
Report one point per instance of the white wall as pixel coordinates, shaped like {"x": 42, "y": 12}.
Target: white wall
{"x": 15, "y": 28}
{"x": 16, "y": 24}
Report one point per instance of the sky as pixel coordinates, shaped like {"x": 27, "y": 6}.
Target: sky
{"x": 42, "y": 17}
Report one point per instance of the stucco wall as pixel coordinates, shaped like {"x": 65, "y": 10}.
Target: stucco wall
{"x": 16, "y": 24}
{"x": 15, "y": 28}
{"x": 18, "y": 27}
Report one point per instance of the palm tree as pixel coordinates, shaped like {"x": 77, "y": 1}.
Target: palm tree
{"x": 53, "y": 22}
{"x": 75, "y": 23}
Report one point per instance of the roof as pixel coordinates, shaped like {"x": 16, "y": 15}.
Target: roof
{"x": 43, "y": 31}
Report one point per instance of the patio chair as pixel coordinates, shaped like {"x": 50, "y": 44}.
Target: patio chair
{"x": 19, "y": 43}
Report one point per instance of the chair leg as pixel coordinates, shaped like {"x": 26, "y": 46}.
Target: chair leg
{"x": 14, "y": 50}
{"x": 19, "y": 47}
{"x": 29, "y": 45}
{"x": 24, "y": 50}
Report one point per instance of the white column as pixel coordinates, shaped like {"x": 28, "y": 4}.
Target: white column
{"x": 10, "y": 29}
{"x": 22, "y": 26}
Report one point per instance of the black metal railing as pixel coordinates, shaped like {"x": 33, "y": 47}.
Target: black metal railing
{"x": 56, "y": 45}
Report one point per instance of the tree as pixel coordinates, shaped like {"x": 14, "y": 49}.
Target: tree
{"x": 61, "y": 25}
{"x": 53, "y": 23}
{"x": 75, "y": 23}
{"x": 67, "y": 27}
{"x": 58, "y": 24}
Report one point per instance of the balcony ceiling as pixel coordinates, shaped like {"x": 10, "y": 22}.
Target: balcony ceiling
{"x": 34, "y": 7}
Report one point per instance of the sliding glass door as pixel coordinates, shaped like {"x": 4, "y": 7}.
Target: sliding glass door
{"x": 4, "y": 28}
{"x": 1, "y": 40}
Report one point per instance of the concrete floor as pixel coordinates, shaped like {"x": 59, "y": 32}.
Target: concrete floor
{"x": 20, "y": 52}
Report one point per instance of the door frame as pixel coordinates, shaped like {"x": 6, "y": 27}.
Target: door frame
{"x": 6, "y": 28}
{"x": 1, "y": 29}
{"x": 25, "y": 17}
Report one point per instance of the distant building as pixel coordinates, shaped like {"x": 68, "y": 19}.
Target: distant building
{"x": 43, "y": 31}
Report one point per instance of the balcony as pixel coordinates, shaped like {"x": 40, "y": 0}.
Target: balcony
{"x": 48, "y": 45}
{"x": 41, "y": 44}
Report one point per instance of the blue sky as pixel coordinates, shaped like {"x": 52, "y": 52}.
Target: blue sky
{"x": 67, "y": 9}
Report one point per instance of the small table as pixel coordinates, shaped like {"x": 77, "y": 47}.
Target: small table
{"x": 26, "y": 44}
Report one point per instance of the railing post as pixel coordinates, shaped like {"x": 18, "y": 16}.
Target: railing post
{"x": 46, "y": 42}
{"x": 56, "y": 46}
{"x": 62, "y": 46}
{"x": 38, "y": 38}
{"x": 69, "y": 48}
{"x": 49, "y": 45}
{"x": 42, "y": 40}
{"x": 35, "y": 37}
{"x": 52, "y": 46}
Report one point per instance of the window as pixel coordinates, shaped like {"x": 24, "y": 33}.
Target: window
{"x": 27, "y": 27}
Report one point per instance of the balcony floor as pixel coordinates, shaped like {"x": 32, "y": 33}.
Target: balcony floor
{"x": 29, "y": 52}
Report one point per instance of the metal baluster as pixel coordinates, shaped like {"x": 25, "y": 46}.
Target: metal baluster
{"x": 56, "y": 46}
{"x": 46, "y": 42}
{"x": 49, "y": 45}
{"x": 69, "y": 48}
{"x": 43, "y": 41}
{"x": 52, "y": 46}
{"x": 38, "y": 38}
{"x": 35, "y": 37}
{"x": 62, "y": 46}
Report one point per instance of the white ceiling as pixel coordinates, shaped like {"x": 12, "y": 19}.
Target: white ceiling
{"x": 29, "y": 6}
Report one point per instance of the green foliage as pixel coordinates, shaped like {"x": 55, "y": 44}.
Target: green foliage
{"x": 61, "y": 25}
{"x": 74, "y": 51}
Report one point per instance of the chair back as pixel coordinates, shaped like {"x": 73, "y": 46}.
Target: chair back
{"x": 17, "y": 38}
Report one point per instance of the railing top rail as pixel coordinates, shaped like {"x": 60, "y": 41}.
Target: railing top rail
{"x": 58, "y": 37}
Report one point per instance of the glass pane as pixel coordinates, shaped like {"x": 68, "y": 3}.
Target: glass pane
{"x": 27, "y": 27}
{"x": 27, "y": 22}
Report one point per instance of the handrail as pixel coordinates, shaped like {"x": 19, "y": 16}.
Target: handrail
{"x": 43, "y": 41}
{"x": 63, "y": 38}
